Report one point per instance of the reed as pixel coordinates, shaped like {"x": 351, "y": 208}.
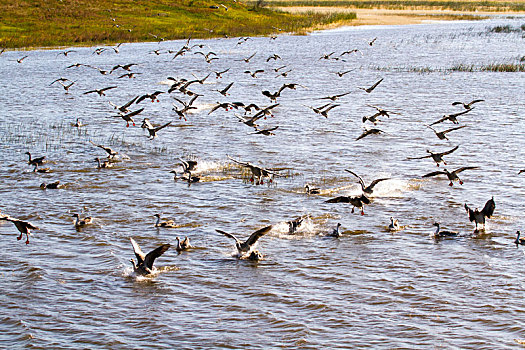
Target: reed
{"x": 41, "y": 23}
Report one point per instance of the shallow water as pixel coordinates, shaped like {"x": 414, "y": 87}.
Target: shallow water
{"x": 370, "y": 288}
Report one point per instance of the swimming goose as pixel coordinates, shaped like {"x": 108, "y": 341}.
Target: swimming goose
{"x": 394, "y": 225}
{"x": 104, "y": 164}
{"x": 255, "y": 255}
{"x": 244, "y": 248}
{"x": 311, "y": 190}
{"x": 452, "y": 176}
{"x": 436, "y": 157}
{"x": 165, "y": 224}
{"x": 145, "y": 262}
{"x": 111, "y": 153}
{"x": 467, "y": 105}
{"x": 153, "y": 131}
{"x": 372, "y": 131}
{"x": 451, "y": 117}
{"x": 51, "y": 186}
{"x": 36, "y": 169}
{"x": 184, "y": 245}
{"x": 358, "y": 201}
{"x": 445, "y": 233}
{"x": 24, "y": 227}
{"x": 100, "y": 92}
{"x": 366, "y": 189}
{"x": 519, "y": 241}
{"x": 79, "y": 223}
{"x": 78, "y": 123}
{"x": 190, "y": 178}
{"x": 371, "y": 88}
{"x": 36, "y": 161}
{"x": 442, "y": 134}
{"x": 336, "y": 233}
{"x": 479, "y": 216}
{"x": 128, "y": 118}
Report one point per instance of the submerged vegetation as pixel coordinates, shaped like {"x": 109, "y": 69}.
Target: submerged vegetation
{"x": 38, "y": 23}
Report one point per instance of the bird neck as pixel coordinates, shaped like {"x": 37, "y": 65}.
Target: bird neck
{"x": 437, "y": 229}
{"x": 158, "y": 221}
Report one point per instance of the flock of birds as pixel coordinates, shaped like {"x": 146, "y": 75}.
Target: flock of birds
{"x": 183, "y": 92}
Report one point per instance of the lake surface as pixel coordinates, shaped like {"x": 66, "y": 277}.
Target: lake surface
{"x": 369, "y": 288}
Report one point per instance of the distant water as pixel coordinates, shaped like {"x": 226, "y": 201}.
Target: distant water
{"x": 368, "y": 289}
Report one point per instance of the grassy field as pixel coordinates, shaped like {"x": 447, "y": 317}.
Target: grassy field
{"x": 41, "y": 23}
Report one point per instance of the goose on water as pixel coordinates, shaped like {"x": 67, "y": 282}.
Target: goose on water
{"x": 183, "y": 245}
{"x": 53, "y": 185}
{"x": 165, "y": 224}
{"x": 479, "y": 216}
{"x": 294, "y": 224}
{"x": 311, "y": 190}
{"x": 144, "y": 265}
{"x": 258, "y": 173}
{"x": 519, "y": 240}
{"x": 336, "y": 233}
{"x": 24, "y": 227}
{"x": 394, "y": 225}
{"x": 79, "y": 223}
{"x": 452, "y": 176}
{"x": 445, "y": 233}
{"x": 103, "y": 164}
{"x": 35, "y": 161}
{"x": 245, "y": 248}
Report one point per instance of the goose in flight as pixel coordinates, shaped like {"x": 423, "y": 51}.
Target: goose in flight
{"x": 371, "y": 88}
{"x": 224, "y": 92}
{"x": 165, "y": 224}
{"x": 452, "y": 176}
{"x": 247, "y": 59}
{"x": 336, "y": 233}
{"x": 451, "y": 117}
{"x": 341, "y": 74}
{"x": 249, "y": 121}
{"x": 254, "y": 73}
{"x": 124, "y": 107}
{"x": 442, "y": 134}
{"x": 445, "y": 233}
{"x": 100, "y": 92}
{"x": 519, "y": 241}
{"x": 67, "y": 86}
{"x": 357, "y": 201}
{"x": 65, "y": 53}
{"x": 266, "y": 132}
{"x": 372, "y": 131}
{"x": 79, "y": 223}
{"x": 327, "y": 56}
{"x": 183, "y": 245}
{"x": 351, "y": 51}
{"x": 258, "y": 173}
{"x": 479, "y": 216}
{"x": 24, "y": 227}
{"x": 521, "y": 171}
{"x": 21, "y": 59}
{"x": 129, "y": 75}
{"x": 35, "y": 161}
{"x": 324, "y": 109}
{"x": 436, "y": 157}
{"x": 218, "y": 75}
{"x": 273, "y": 57}
{"x": 311, "y": 190}
{"x": 334, "y": 97}
{"x": 126, "y": 67}
{"x": 466, "y": 105}
{"x": 382, "y": 112}
{"x": 224, "y": 105}
{"x": 263, "y": 112}
{"x": 111, "y": 153}
{"x": 153, "y": 131}
{"x": 188, "y": 165}
{"x": 245, "y": 248}
{"x": 153, "y": 97}
{"x": 371, "y": 42}
{"x": 129, "y": 117}
{"x": 61, "y": 79}
{"x": 366, "y": 189}
{"x": 144, "y": 265}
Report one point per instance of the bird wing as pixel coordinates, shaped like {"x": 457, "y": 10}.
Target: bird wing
{"x": 138, "y": 111}
{"x": 89, "y": 92}
{"x": 227, "y": 87}
{"x": 129, "y": 103}
{"x": 460, "y": 113}
{"x": 445, "y": 117}
{"x": 434, "y": 173}
{"x": 340, "y": 199}
{"x": 228, "y": 235}
{"x": 359, "y": 177}
{"x": 457, "y": 171}
{"x": 452, "y": 129}
{"x": 449, "y": 151}
{"x": 475, "y": 101}
{"x": 258, "y": 234}
{"x": 138, "y": 252}
{"x": 161, "y": 127}
{"x": 423, "y": 157}
{"x": 489, "y": 207}
{"x": 364, "y": 134}
{"x": 375, "y": 182}
{"x": 470, "y": 212}
{"x": 375, "y": 84}
{"x": 154, "y": 254}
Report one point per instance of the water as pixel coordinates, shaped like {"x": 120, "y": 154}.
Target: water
{"x": 370, "y": 288}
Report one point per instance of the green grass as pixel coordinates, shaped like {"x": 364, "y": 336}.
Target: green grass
{"x": 406, "y": 4}
{"x": 41, "y": 23}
